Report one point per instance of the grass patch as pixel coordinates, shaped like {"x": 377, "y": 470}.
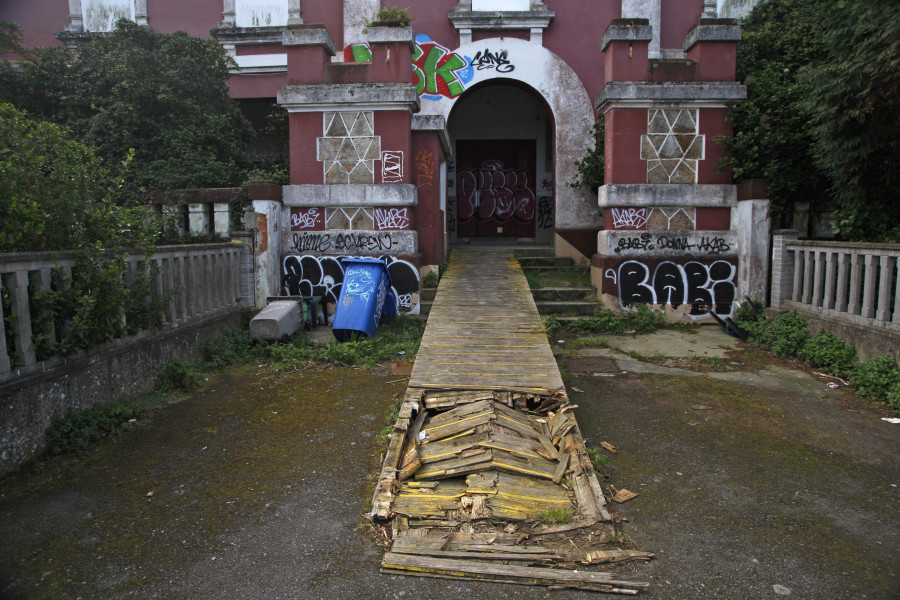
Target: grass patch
{"x": 587, "y": 342}
{"x": 557, "y": 515}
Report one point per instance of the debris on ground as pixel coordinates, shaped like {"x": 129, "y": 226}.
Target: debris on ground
{"x": 496, "y": 485}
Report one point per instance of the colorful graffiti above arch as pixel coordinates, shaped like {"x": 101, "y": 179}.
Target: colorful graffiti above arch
{"x": 438, "y": 72}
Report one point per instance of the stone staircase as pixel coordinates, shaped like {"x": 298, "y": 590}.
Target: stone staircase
{"x": 565, "y": 291}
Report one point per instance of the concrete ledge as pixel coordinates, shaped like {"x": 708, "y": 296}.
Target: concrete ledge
{"x": 359, "y": 96}
{"x": 627, "y": 30}
{"x": 390, "y": 35}
{"x": 685, "y": 243}
{"x": 668, "y": 194}
{"x": 308, "y": 35}
{"x": 636, "y": 95}
{"x": 712, "y": 30}
{"x": 436, "y": 123}
{"x": 384, "y": 194}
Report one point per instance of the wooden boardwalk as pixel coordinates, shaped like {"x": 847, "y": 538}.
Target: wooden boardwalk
{"x": 484, "y": 330}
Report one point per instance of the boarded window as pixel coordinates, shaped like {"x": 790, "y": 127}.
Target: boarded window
{"x": 261, "y": 13}
{"x": 101, "y": 15}
{"x": 498, "y": 5}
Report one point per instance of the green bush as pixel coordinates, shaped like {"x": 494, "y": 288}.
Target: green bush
{"x": 879, "y": 379}
{"x": 642, "y": 319}
{"x": 827, "y": 351}
{"x": 178, "y": 375}
{"x": 786, "y": 334}
{"x": 234, "y": 347}
{"x": 76, "y": 430}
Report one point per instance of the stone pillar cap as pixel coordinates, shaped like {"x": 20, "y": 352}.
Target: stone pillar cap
{"x": 627, "y": 30}
{"x": 712, "y": 30}
{"x": 308, "y": 35}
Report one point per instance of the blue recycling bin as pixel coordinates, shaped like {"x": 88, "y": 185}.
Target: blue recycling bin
{"x": 390, "y": 306}
{"x": 363, "y": 294}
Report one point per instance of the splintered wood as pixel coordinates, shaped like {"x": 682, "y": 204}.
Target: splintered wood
{"x": 476, "y": 483}
{"x": 486, "y": 475}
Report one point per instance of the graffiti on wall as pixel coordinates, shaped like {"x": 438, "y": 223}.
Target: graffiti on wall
{"x": 545, "y": 213}
{"x": 493, "y": 60}
{"x": 704, "y": 244}
{"x": 437, "y": 71}
{"x": 424, "y": 168}
{"x": 324, "y": 276}
{"x": 310, "y": 219}
{"x": 392, "y": 166}
{"x": 391, "y": 218}
{"x": 629, "y": 218}
{"x": 700, "y": 288}
{"x": 351, "y": 242}
{"x": 492, "y": 192}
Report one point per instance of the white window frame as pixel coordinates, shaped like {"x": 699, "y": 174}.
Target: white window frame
{"x": 76, "y": 15}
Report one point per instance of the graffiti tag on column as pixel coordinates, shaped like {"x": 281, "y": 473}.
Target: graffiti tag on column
{"x": 492, "y": 60}
{"x": 424, "y": 168}
{"x": 342, "y": 242}
{"x": 705, "y": 244}
{"x": 391, "y": 166}
{"x": 307, "y": 218}
{"x": 391, "y": 218}
{"x": 704, "y": 288}
{"x": 629, "y": 218}
{"x": 451, "y": 215}
{"x": 545, "y": 213}
{"x": 493, "y": 192}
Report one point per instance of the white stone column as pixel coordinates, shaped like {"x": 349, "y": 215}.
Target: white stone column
{"x": 267, "y": 242}
{"x": 198, "y": 218}
{"x": 221, "y": 219}
{"x": 782, "y": 267}
{"x": 646, "y": 9}
{"x": 753, "y": 225}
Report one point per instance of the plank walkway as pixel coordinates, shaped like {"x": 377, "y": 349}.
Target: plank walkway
{"x": 484, "y": 330}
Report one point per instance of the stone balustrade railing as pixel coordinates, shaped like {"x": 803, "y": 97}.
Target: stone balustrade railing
{"x": 852, "y": 282}
{"x": 201, "y": 278}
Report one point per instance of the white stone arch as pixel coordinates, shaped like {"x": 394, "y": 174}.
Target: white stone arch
{"x": 573, "y": 115}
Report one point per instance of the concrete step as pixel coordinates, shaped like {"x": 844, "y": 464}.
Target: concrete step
{"x": 427, "y": 294}
{"x": 535, "y": 252}
{"x": 425, "y": 307}
{"x": 550, "y": 294}
{"x": 567, "y": 308}
{"x": 545, "y": 261}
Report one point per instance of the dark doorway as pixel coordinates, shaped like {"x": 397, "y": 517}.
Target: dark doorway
{"x": 495, "y": 188}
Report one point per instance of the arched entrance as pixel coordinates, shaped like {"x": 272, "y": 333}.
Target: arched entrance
{"x": 540, "y": 73}
{"x": 502, "y": 137}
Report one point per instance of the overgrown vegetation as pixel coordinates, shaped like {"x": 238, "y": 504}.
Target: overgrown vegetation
{"x": 388, "y": 16}
{"x": 641, "y": 319}
{"x": 161, "y": 96}
{"x": 787, "y": 335}
{"x": 557, "y": 515}
{"x": 591, "y": 168}
{"x": 815, "y": 141}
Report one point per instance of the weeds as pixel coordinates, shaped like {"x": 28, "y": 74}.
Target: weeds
{"x": 598, "y": 458}
{"x": 557, "y": 515}
{"x": 77, "y": 430}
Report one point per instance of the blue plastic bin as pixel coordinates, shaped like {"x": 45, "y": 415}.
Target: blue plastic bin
{"x": 363, "y": 293}
{"x": 390, "y": 305}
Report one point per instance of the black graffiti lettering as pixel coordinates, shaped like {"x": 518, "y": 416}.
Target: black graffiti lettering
{"x": 311, "y": 242}
{"x": 545, "y": 213}
{"x": 363, "y": 242}
{"x": 674, "y": 243}
{"x": 635, "y": 243}
{"x": 713, "y": 245}
{"x": 704, "y": 288}
{"x": 493, "y": 60}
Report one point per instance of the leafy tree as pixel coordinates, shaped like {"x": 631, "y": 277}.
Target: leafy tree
{"x": 772, "y": 138}
{"x": 55, "y": 193}
{"x": 853, "y": 99}
{"x": 162, "y": 95}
